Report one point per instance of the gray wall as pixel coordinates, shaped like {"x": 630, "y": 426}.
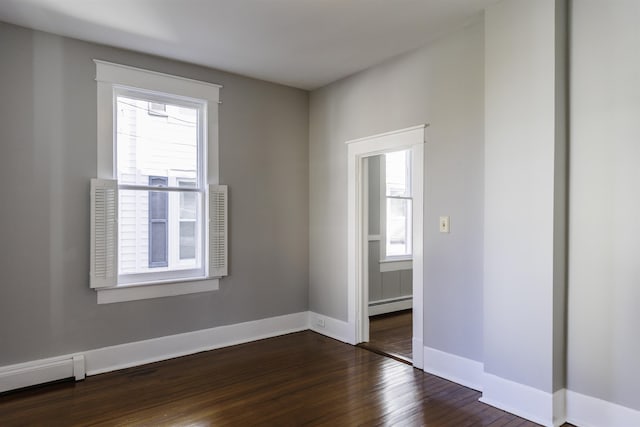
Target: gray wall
{"x": 48, "y": 140}
{"x": 442, "y": 84}
{"x": 604, "y": 230}
{"x": 523, "y": 235}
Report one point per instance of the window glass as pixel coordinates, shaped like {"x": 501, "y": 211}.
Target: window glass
{"x": 151, "y": 143}
{"x": 398, "y": 173}
{"x": 187, "y": 240}
{"x": 158, "y": 145}
{"x": 398, "y": 227}
{"x": 398, "y": 203}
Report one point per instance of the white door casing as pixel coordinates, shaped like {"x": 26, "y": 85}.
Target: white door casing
{"x": 412, "y": 138}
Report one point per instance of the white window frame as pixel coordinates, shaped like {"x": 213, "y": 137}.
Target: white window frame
{"x": 111, "y": 77}
{"x": 393, "y": 262}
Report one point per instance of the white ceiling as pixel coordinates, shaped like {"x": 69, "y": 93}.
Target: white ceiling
{"x": 300, "y": 43}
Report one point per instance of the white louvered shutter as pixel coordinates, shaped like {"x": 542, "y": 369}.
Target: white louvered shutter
{"x": 218, "y": 230}
{"x": 104, "y": 233}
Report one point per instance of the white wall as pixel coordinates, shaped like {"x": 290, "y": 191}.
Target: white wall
{"x": 604, "y": 218}
{"x": 441, "y": 84}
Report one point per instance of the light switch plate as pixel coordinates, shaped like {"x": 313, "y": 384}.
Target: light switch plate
{"x": 444, "y": 224}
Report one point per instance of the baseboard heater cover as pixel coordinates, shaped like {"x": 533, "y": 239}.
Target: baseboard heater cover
{"x": 390, "y": 305}
{"x": 41, "y": 371}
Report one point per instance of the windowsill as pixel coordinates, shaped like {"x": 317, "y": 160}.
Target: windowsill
{"x": 139, "y": 291}
{"x": 396, "y": 264}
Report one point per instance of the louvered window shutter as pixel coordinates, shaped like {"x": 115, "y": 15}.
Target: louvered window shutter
{"x": 104, "y": 233}
{"x": 218, "y": 230}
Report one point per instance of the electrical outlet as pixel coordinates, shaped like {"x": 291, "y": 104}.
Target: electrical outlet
{"x": 320, "y": 323}
{"x": 444, "y": 224}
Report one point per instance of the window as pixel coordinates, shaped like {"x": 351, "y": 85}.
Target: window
{"x": 157, "y": 154}
{"x": 157, "y": 109}
{"x": 396, "y": 216}
{"x": 161, "y": 186}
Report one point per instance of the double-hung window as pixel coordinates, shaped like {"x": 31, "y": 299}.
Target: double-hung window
{"x": 396, "y": 218}
{"x": 158, "y": 215}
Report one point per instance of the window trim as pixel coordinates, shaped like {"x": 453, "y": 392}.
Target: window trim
{"x": 110, "y": 77}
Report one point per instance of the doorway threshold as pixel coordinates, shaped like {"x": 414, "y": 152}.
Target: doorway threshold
{"x": 381, "y": 352}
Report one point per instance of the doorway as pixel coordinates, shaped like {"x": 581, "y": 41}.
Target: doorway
{"x": 411, "y": 142}
{"x": 387, "y": 189}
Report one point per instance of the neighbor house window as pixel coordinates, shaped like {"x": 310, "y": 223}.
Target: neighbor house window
{"x": 396, "y": 209}
{"x": 158, "y": 155}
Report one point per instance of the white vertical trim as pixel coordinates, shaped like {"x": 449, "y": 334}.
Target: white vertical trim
{"x": 365, "y": 245}
{"x": 103, "y": 251}
{"x": 382, "y": 195}
{"x": 417, "y": 189}
{"x": 411, "y": 138}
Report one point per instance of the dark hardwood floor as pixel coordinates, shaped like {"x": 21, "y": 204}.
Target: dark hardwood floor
{"x": 391, "y": 334}
{"x": 297, "y": 379}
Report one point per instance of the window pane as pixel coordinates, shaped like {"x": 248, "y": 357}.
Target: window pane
{"x": 398, "y": 173}
{"x": 398, "y": 227}
{"x": 151, "y": 141}
{"x": 158, "y": 244}
{"x": 188, "y": 201}
{"x": 158, "y": 205}
{"x": 152, "y": 235}
{"x": 187, "y": 239}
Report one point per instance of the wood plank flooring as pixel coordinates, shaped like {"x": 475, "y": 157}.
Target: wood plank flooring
{"x": 292, "y": 380}
{"x": 391, "y": 334}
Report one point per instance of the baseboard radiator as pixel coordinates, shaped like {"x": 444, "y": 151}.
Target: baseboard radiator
{"x": 42, "y": 371}
{"x": 390, "y": 305}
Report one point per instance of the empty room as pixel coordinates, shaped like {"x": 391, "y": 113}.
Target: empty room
{"x": 340, "y": 212}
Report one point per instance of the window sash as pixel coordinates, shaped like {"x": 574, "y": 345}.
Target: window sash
{"x": 165, "y": 98}
{"x": 181, "y": 268}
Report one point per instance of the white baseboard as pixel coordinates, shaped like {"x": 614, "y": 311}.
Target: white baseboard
{"x": 587, "y": 411}
{"x": 418, "y": 353}
{"x": 333, "y": 328}
{"x": 461, "y": 370}
{"x": 122, "y": 356}
{"x": 389, "y": 306}
{"x": 141, "y": 352}
{"x": 41, "y": 371}
{"x": 522, "y": 400}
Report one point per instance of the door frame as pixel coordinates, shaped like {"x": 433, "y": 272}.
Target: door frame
{"x": 412, "y": 138}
